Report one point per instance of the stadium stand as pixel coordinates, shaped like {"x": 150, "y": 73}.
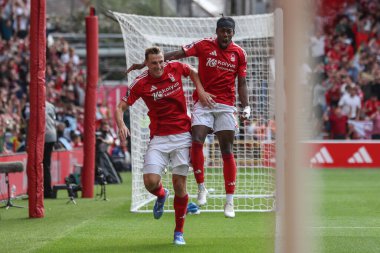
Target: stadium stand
{"x": 345, "y": 52}
{"x": 65, "y": 81}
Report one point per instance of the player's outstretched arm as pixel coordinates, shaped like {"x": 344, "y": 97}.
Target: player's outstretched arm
{"x": 123, "y": 129}
{"x": 243, "y": 97}
{"x": 135, "y": 66}
{"x": 170, "y": 56}
{"x": 175, "y": 55}
{"x": 205, "y": 98}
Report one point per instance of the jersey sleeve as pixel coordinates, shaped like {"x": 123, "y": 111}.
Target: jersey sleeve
{"x": 182, "y": 68}
{"x": 242, "y": 68}
{"x": 132, "y": 94}
{"x": 185, "y": 69}
{"x": 192, "y": 49}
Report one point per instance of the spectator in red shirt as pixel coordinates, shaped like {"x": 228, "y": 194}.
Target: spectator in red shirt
{"x": 338, "y": 123}
{"x": 333, "y": 94}
{"x": 370, "y": 106}
{"x": 345, "y": 47}
{"x": 362, "y": 33}
{"x": 376, "y": 124}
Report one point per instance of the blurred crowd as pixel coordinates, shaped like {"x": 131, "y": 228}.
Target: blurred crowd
{"x": 65, "y": 83}
{"x": 14, "y": 73}
{"x": 345, "y": 51}
{"x": 345, "y": 69}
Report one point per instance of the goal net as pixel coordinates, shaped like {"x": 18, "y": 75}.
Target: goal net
{"x": 254, "y": 145}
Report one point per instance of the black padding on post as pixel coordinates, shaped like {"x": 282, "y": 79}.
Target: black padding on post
{"x": 9, "y": 167}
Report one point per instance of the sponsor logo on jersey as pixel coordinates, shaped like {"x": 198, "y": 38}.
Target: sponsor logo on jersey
{"x": 220, "y": 64}
{"x": 166, "y": 91}
{"x": 360, "y": 156}
{"x": 211, "y": 62}
{"x": 213, "y": 53}
{"x": 322, "y": 156}
{"x": 153, "y": 88}
{"x": 171, "y": 78}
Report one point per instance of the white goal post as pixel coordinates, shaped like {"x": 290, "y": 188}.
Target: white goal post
{"x": 254, "y": 145}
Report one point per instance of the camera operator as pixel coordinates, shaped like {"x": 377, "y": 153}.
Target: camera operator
{"x": 50, "y": 140}
{"x": 103, "y": 159}
{"x": 103, "y": 137}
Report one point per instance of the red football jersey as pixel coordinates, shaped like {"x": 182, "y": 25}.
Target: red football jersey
{"x": 165, "y": 99}
{"x": 218, "y": 68}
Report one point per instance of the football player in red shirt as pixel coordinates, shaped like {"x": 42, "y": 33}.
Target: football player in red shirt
{"x": 221, "y": 61}
{"x": 161, "y": 89}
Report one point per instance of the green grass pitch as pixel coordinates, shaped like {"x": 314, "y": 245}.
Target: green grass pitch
{"x": 347, "y": 220}
{"x": 109, "y": 226}
{"x": 348, "y": 217}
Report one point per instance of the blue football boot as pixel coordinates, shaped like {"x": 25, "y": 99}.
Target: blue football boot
{"x": 158, "y": 209}
{"x": 178, "y": 239}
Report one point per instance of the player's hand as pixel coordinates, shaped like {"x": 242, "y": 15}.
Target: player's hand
{"x": 134, "y": 67}
{"x": 207, "y": 99}
{"x": 123, "y": 133}
{"x": 246, "y": 113}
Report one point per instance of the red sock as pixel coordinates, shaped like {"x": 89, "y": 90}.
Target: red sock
{"x": 180, "y": 208}
{"x": 159, "y": 192}
{"x": 229, "y": 171}
{"x": 197, "y": 160}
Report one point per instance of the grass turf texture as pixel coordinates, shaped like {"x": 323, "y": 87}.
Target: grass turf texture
{"x": 348, "y": 220}
{"x": 109, "y": 226}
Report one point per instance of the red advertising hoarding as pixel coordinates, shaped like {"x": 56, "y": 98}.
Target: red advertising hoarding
{"x": 332, "y": 154}
{"x": 62, "y": 164}
{"x": 344, "y": 154}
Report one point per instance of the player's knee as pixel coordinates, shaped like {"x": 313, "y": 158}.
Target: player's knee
{"x": 150, "y": 187}
{"x": 199, "y": 133}
{"x": 198, "y": 138}
{"x": 151, "y": 183}
{"x": 178, "y": 186}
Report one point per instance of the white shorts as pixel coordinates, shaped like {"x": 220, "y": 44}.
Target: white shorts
{"x": 220, "y": 117}
{"x": 171, "y": 151}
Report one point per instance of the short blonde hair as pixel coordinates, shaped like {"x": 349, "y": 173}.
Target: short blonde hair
{"x": 152, "y": 50}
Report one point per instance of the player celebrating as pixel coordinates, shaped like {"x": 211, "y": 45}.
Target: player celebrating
{"x": 161, "y": 89}
{"x": 220, "y": 62}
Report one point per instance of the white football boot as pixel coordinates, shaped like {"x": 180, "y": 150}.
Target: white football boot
{"x": 202, "y": 195}
{"x": 229, "y": 211}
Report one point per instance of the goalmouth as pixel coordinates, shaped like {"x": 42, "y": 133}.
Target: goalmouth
{"x": 255, "y": 144}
